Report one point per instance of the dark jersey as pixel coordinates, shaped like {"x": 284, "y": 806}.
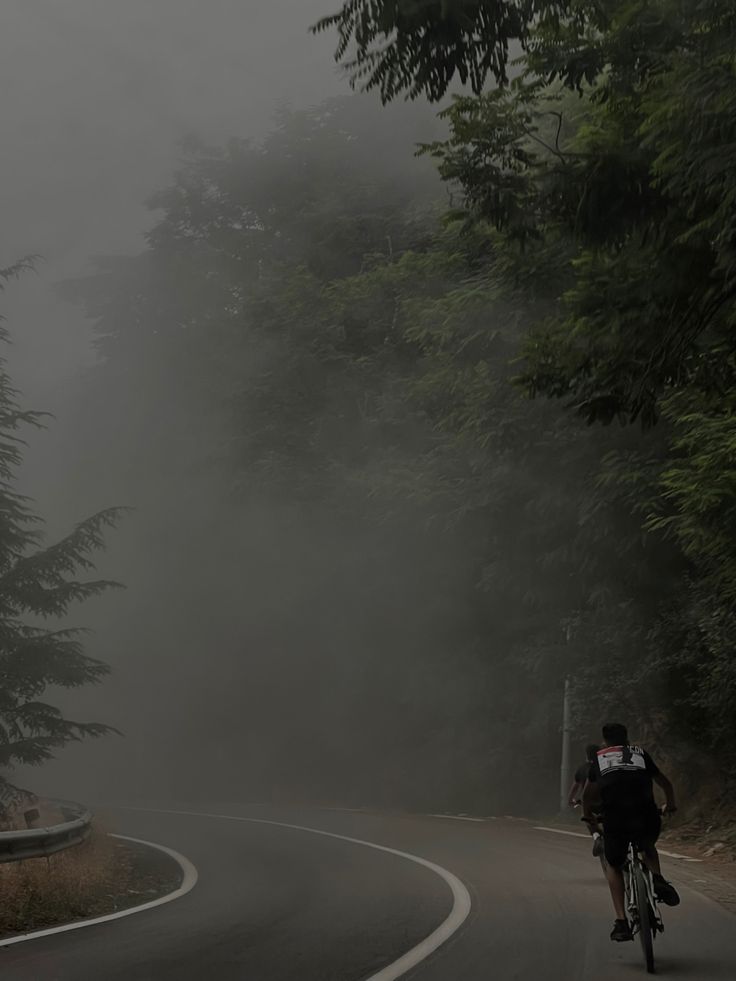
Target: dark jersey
{"x": 582, "y": 772}
{"x": 623, "y": 775}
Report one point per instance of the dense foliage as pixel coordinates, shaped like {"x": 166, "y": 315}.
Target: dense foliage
{"x": 38, "y": 584}
{"x": 305, "y": 320}
{"x": 604, "y": 174}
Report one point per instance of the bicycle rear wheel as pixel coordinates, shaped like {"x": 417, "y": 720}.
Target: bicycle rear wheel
{"x": 647, "y": 924}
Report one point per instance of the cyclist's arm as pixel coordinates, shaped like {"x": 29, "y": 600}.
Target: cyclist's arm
{"x": 574, "y": 794}
{"x": 662, "y": 781}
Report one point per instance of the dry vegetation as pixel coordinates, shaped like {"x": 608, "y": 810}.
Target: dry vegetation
{"x": 75, "y": 883}
{"x": 100, "y": 876}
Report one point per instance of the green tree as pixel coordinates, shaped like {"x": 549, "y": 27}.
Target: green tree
{"x": 39, "y": 583}
{"x": 353, "y": 359}
{"x": 244, "y": 327}
{"x": 418, "y": 47}
{"x": 604, "y": 172}
{"x": 631, "y": 191}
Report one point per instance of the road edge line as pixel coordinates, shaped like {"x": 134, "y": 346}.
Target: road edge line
{"x": 461, "y": 902}
{"x": 560, "y": 831}
{"x": 578, "y": 834}
{"x": 457, "y": 817}
{"x": 189, "y": 881}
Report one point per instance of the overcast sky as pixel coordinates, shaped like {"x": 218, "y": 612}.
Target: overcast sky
{"x": 96, "y": 95}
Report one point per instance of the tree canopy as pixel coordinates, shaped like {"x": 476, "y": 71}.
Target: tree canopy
{"x": 603, "y": 174}
{"x": 364, "y": 349}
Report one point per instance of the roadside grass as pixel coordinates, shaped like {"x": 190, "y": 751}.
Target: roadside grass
{"x": 86, "y": 880}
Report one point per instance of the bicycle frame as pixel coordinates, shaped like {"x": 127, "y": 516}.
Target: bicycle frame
{"x": 635, "y": 871}
{"x": 635, "y": 857}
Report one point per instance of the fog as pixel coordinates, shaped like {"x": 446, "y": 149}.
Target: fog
{"x": 97, "y": 96}
{"x": 358, "y": 563}
{"x": 400, "y": 439}
{"x": 255, "y": 654}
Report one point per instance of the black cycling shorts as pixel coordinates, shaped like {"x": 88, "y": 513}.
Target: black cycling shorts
{"x": 620, "y": 829}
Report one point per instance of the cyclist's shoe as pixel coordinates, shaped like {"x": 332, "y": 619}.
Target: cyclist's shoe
{"x": 621, "y": 931}
{"x": 598, "y": 846}
{"x": 665, "y": 891}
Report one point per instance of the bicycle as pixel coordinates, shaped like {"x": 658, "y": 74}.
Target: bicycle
{"x": 640, "y": 898}
{"x": 641, "y": 903}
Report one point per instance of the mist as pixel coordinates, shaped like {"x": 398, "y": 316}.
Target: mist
{"x": 359, "y": 563}
{"x": 98, "y": 98}
{"x": 257, "y": 651}
{"x": 366, "y": 457}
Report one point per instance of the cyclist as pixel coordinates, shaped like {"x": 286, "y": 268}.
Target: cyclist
{"x": 623, "y": 773}
{"x": 581, "y": 776}
{"x": 574, "y": 798}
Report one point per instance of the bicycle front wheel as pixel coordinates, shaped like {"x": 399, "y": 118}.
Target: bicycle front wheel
{"x": 646, "y": 918}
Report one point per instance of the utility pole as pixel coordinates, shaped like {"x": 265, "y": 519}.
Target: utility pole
{"x": 565, "y": 754}
{"x": 565, "y": 768}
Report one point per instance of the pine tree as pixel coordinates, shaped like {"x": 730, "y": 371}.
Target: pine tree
{"x": 38, "y": 584}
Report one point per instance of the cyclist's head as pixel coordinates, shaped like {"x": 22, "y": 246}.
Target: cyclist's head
{"x": 591, "y": 751}
{"x": 615, "y": 734}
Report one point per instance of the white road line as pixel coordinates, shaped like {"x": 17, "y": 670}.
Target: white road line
{"x": 559, "y": 831}
{"x": 189, "y": 881}
{"x": 457, "y": 817}
{"x": 578, "y": 834}
{"x": 684, "y": 858}
{"x": 346, "y": 810}
{"x": 461, "y": 903}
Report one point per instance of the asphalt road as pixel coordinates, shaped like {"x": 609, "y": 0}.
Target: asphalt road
{"x": 279, "y": 904}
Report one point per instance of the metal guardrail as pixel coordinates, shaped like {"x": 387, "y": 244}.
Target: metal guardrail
{"x": 40, "y": 842}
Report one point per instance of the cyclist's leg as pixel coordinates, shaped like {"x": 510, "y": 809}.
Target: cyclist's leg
{"x": 616, "y": 847}
{"x": 615, "y": 879}
{"x": 664, "y": 890}
{"x": 616, "y": 844}
{"x": 647, "y": 834}
{"x": 651, "y": 857}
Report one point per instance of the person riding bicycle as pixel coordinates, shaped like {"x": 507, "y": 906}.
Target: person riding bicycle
{"x": 623, "y": 773}
{"x": 575, "y": 796}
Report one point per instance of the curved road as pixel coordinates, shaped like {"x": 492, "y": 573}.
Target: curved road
{"x": 279, "y": 904}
